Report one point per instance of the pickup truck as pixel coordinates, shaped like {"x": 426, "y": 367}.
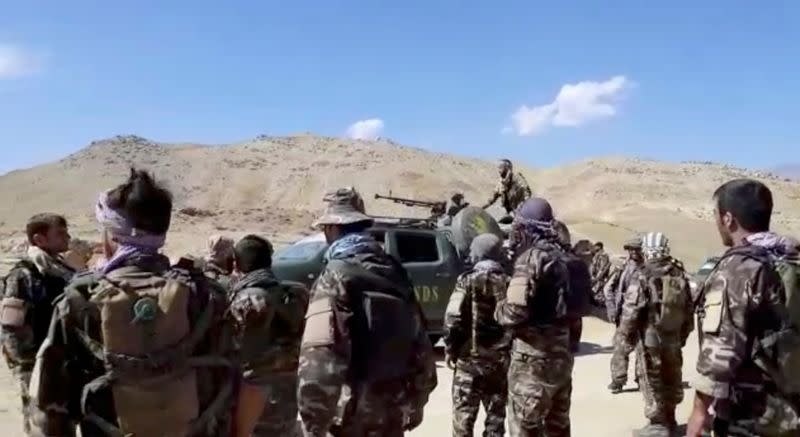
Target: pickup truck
{"x": 432, "y": 262}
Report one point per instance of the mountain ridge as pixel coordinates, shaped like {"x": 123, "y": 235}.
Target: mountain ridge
{"x": 274, "y": 185}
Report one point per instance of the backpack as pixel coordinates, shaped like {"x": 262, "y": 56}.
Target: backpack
{"x": 778, "y": 354}
{"x": 669, "y": 294}
{"x": 550, "y": 303}
{"x": 291, "y": 308}
{"x": 147, "y": 348}
{"x": 386, "y": 320}
{"x": 580, "y": 287}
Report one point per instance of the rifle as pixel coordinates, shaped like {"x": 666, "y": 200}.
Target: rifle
{"x": 437, "y": 208}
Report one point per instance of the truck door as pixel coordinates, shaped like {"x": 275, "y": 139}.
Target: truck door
{"x": 427, "y": 258}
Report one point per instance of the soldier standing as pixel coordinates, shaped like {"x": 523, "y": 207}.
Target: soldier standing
{"x": 617, "y": 283}
{"x": 614, "y": 292}
{"x": 476, "y": 347}
{"x": 30, "y": 289}
{"x": 137, "y": 347}
{"x": 657, "y": 314}
{"x": 219, "y": 261}
{"x": 540, "y": 372}
{"x": 512, "y": 190}
{"x": 270, "y": 317}
{"x": 601, "y": 265}
{"x": 744, "y": 306}
{"x": 366, "y": 363}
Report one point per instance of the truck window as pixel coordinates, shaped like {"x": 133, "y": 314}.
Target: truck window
{"x": 417, "y": 248}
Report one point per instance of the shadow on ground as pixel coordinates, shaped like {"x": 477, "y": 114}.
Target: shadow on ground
{"x": 593, "y": 348}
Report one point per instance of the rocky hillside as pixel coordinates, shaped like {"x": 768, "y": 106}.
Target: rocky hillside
{"x": 273, "y": 185}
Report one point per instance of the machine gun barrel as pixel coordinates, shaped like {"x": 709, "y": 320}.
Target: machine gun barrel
{"x": 409, "y": 202}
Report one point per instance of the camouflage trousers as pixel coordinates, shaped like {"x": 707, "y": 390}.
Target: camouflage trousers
{"x": 539, "y": 394}
{"x": 661, "y": 382}
{"x": 479, "y": 382}
{"x": 759, "y": 414}
{"x": 379, "y": 411}
{"x": 280, "y": 412}
{"x": 620, "y": 361}
{"x": 23, "y": 378}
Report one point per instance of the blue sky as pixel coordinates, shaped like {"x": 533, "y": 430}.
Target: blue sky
{"x": 675, "y": 81}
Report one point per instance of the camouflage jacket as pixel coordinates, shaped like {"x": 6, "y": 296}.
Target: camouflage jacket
{"x": 333, "y": 353}
{"x": 470, "y": 328}
{"x": 615, "y": 287}
{"x": 512, "y": 191}
{"x": 601, "y": 265}
{"x": 70, "y": 384}
{"x": 26, "y": 310}
{"x": 642, "y": 306}
{"x": 269, "y": 318}
{"x": 534, "y": 309}
{"x": 224, "y": 279}
{"x": 742, "y": 291}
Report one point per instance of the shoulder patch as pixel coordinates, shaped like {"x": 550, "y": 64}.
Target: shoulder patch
{"x": 714, "y": 297}
{"x": 320, "y": 324}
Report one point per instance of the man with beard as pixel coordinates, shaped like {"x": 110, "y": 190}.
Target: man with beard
{"x": 512, "y": 189}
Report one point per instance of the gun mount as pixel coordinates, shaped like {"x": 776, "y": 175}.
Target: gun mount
{"x": 437, "y": 208}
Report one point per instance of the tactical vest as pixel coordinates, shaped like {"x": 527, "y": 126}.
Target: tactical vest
{"x": 148, "y": 347}
{"x": 386, "y": 318}
{"x": 289, "y": 301}
{"x": 668, "y": 295}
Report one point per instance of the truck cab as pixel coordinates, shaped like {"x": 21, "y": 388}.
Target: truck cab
{"x": 427, "y": 254}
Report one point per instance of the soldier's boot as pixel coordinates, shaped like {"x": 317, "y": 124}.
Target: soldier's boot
{"x": 615, "y": 387}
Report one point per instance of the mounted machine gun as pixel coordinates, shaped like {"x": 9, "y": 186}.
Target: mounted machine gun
{"x": 437, "y": 209}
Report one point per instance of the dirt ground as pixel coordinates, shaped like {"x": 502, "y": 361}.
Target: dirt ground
{"x": 595, "y": 412}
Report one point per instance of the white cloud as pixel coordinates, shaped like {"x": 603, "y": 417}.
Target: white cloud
{"x": 18, "y": 62}
{"x": 366, "y": 129}
{"x": 575, "y": 105}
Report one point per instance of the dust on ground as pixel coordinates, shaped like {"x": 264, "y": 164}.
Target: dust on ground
{"x": 595, "y": 411}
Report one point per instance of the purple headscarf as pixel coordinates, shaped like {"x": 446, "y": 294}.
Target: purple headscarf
{"x": 131, "y": 241}
{"x": 778, "y": 244}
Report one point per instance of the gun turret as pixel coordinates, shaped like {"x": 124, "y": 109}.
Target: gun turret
{"x": 438, "y": 209}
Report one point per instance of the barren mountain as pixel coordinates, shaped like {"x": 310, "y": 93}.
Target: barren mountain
{"x": 274, "y": 186}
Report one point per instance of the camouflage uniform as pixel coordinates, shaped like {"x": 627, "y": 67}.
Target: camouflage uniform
{"x": 512, "y": 190}
{"x": 224, "y": 278}
{"x": 350, "y": 382}
{"x": 540, "y": 372}
{"x": 481, "y": 347}
{"x": 742, "y": 291}
{"x": 270, "y": 318}
{"x": 31, "y": 292}
{"x": 70, "y": 383}
{"x": 659, "y": 340}
{"x": 220, "y": 255}
{"x": 601, "y": 265}
{"x": 615, "y": 291}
